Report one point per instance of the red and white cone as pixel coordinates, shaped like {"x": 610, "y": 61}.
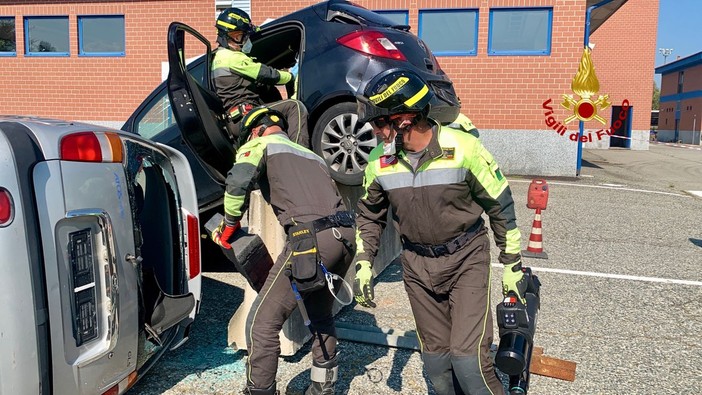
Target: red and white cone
{"x": 535, "y": 248}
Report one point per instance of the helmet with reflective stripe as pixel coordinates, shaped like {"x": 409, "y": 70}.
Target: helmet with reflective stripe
{"x": 260, "y": 116}
{"x": 394, "y": 91}
{"x": 234, "y": 19}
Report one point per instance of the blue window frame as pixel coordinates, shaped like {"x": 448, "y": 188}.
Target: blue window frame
{"x": 46, "y": 36}
{"x": 101, "y": 35}
{"x": 449, "y": 32}
{"x": 398, "y": 17}
{"x": 520, "y": 31}
{"x": 8, "y": 37}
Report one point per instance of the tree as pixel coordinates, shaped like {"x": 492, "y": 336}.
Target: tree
{"x": 7, "y": 36}
{"x": 655, "y": 104}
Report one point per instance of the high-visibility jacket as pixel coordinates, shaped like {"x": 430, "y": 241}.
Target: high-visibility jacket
{"x": 456, "y": 180}
{"x": 293, "y": 179}
{"x": 239, "y": 79}
{"x": 464, "y": 123}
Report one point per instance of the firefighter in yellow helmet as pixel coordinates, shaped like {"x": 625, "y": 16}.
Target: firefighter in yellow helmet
{"x": 296, "y": 182}
{"x": 438, "y": 181}
{"x": 241, "y": 81}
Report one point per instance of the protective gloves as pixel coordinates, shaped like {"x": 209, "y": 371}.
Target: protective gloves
{"x": 513, "y": 281}
{"x": 224, "y": 232}
{"x": 363, "y": 284}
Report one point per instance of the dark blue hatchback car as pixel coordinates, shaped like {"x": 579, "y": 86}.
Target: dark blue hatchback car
{"x": 338, "y": 47}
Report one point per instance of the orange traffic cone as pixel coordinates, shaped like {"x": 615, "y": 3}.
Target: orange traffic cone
{"x": 535, "y": 247}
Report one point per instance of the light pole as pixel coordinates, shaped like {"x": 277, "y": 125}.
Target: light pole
{"x": 665, "y": 52}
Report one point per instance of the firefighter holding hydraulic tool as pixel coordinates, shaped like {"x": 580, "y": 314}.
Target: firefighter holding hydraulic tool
{"x": 438, "y": 181}
{"x": 318, "y": 250}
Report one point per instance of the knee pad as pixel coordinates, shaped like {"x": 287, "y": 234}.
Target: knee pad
{"x": 470, "y": 375}
{"x": 440, "y": 372}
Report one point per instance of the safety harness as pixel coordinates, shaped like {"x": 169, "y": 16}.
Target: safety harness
{"x": 306, "y": 270}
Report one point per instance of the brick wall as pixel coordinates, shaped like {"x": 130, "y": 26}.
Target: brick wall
{"x": 624, "y": 58}
{"x": 692, "y": 81}
{"x": 94, "y": 88}
{"x": 506, "y": 92}
{"x": 669, "y": 84}
{"x": 498, "y": 92}
{"x": 688, "y": 108}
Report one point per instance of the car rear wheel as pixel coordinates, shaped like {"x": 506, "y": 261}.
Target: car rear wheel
{"x": 344, "y": 148}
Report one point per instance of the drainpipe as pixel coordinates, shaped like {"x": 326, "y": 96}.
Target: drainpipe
{"x": 587, "y": 44}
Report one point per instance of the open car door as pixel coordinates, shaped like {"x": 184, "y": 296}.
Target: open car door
{"x": 279, "y": 45}
{"x": 197, "y": 109}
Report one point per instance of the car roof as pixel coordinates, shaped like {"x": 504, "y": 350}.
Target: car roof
{"x": 321, "y": 10}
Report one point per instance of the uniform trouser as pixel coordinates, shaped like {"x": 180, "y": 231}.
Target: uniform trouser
{"x": 450, "y": 300}
{"x": 295, "y": 113}
{"x": 276, "y": 302}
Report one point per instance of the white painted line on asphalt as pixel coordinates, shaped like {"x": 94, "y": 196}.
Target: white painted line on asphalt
{"x": 605, "y": 187}
{"x": 696, "y": 193}
{"x": 587, "y": 176}
{"x": 610, "y": 275}
{"x": 614, "y": 185}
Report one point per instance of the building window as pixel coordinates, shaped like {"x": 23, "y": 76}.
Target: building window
{"x": 221, "y": 5}
{"x": 8, "y": 39}
{"x": 398, "y": 17}
{"x": 46, "y": 36}
{"x": 449, "y": 32}
{"x": 101, "y": 35}
{"x": 521, "y": 31}
{"x": 681, "y": 78}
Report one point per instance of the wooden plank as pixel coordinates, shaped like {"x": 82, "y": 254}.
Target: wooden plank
{"x": 551, "y": 367}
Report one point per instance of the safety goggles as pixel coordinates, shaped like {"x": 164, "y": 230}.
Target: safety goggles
{"x": 381, "y": 122}
{"x": 368, "y": 111}
{"x": 404, "y": 121}
{"x": 242, "y": 38}
{"x": 398, "y": 122}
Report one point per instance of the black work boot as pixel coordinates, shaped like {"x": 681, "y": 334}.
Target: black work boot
{"x": 323, "y": 378}
{"x": 250, "y": 390}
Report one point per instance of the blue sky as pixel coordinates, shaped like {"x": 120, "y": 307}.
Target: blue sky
{"x": 678, "y": 25}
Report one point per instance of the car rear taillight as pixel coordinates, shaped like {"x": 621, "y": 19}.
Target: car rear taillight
{"x": 193, "y": 245}
{"x": 371, "y": 43}
{"x": 92, "y": 147}
{"x": 6, "y": 207}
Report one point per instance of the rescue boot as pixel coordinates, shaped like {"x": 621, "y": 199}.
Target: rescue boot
{"x": 271, "y": 390}
{"x": 323, "y": 376}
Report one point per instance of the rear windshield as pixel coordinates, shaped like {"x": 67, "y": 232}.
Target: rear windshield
{"x": 365, "y": 17}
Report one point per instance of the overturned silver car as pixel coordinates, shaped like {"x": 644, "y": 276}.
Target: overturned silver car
{"x": 100, "y": 255}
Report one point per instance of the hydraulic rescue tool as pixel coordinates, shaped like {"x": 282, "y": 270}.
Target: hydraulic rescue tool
{"x": 517, "y": 325}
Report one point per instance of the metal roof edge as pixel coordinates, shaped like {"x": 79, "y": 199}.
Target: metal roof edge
{"x": 679, "y": 64}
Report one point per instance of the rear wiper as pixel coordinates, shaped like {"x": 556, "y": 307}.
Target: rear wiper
{"x": 405, "y": 28}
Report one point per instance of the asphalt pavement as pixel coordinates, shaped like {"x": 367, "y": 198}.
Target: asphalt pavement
{"x": 621, "y": 293}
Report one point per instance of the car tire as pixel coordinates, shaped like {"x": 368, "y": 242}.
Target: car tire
{"x": 344, "y": 148}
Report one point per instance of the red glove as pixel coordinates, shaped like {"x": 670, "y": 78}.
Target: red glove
{"x": 224, "y": 232}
